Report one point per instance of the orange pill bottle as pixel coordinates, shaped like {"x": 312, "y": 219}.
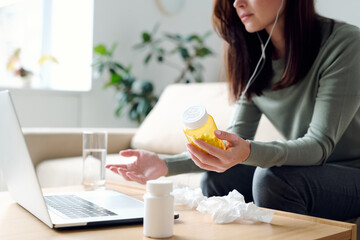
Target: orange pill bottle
{"x": 198, "y": 124}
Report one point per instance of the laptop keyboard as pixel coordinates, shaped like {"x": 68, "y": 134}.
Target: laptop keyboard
{"x": 72, "y": 206}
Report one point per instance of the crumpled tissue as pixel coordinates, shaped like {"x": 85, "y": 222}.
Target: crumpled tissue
{"x": 187, "y": 196}
{"x": 224, "y": 209}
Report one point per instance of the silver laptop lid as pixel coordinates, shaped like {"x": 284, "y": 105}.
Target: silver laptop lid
{"x": 16, "y": 164}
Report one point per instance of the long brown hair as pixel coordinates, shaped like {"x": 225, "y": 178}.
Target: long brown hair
{"x": 242, "y": 49}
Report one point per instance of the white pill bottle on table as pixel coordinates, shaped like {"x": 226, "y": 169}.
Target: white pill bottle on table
{"x": 159, "y": 209}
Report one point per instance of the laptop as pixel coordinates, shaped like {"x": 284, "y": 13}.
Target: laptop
{"x": 65, "y": 210}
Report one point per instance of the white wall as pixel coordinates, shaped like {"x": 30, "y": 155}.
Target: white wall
{"x": 47, "y": 109}
{"x": 346, "y": 10}
{"x": 122, "y": 21}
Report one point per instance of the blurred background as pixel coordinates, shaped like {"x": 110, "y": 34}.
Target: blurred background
{"x": 46, "y": 53}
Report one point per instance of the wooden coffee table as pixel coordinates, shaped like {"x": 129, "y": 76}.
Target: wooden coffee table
{"x": 17, "y": 223}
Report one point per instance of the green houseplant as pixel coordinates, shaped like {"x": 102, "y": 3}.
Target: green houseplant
{"x": 135, "y": 94}
{"x": 191, "y": 49}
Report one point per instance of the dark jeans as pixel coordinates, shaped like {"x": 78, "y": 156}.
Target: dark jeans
{"x": 330, "y": 191}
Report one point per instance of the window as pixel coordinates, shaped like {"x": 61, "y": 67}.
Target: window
{"x": 61, "y": 28}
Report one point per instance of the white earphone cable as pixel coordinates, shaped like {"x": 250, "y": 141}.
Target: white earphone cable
{"x": 262, "y": 57}
{"x": 263, "y": 48}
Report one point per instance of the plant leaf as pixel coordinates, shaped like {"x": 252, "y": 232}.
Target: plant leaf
{"x": 118, "y": 110}
{"x": 128, "y": 80}
{"x": 198, "y": 79}
{"x": 100, "y": 68}
{"x": 146, "y": 37}
{"x": 119, "y": 66}
{"x": 106, "y": 85}
{"x": 191, "y": 68}
{"x": 115, "y": 79}
{"x": 143, "y": 107}
{"x": 147, "y": 59}
{"x": 194, "y": 37}
{"x": 160, "y": 58}
{"x": 174, "y": 37}
{"x": 140, "y": 45}
{"x": 184, "y": 53}
{"x": 112, "y": 49}
{"x": 133, "y": 113}
{"x": 100, "y": 49}
{"x": 202, "y": 52}
{"x": 112, "y": 71}
{"x": 128, "y": 69}
{"x": 147, "y": 87}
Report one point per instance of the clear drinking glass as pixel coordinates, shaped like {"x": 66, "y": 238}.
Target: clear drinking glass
{"x": 94, "y": 159}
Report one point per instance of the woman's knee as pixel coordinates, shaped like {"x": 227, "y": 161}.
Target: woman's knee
{"x": 238, "y": 177}
{"x": 263, "y": 186}
{"x": 209, "y": 184}
{"x": 272, "y": 188}
{"x": 267, "y": 186}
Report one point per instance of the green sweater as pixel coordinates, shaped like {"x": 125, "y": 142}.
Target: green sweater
{"x": 319, "y": 117}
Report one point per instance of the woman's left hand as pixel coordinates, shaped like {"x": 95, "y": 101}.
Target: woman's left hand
{"x": 216, "y": 159}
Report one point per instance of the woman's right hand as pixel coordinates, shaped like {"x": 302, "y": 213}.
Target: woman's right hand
{"x": 146, "y": 167}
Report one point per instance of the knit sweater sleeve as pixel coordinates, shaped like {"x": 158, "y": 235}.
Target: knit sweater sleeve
{"x": 180, "y": 163}
{"x": 337, "y": 102}
{"x": 245, "y": 119}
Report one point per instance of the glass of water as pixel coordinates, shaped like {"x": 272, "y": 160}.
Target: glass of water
{"x": 94, "y": 159}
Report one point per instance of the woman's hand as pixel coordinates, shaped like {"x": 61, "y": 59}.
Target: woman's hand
{"x": 146, "y": 167}
{"x": 216, "y": 159}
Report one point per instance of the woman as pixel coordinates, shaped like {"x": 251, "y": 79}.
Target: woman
{"x": 307, "y": 83}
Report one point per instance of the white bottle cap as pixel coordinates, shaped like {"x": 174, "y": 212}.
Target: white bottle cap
{"x": 195, "y": 116}
{"x": 159, "y": 187}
